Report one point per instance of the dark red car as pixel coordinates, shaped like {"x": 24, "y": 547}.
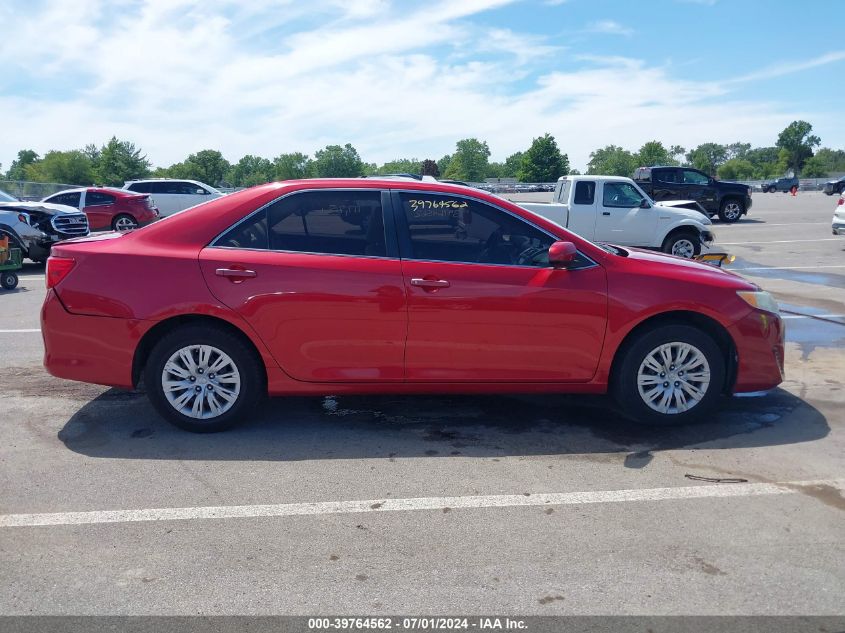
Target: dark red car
{"x": 109, "y": 209}
{"x": 368, "y": 286}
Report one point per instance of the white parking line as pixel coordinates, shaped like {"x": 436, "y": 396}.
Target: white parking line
{"x": 16, "y": 331}
{"x": 788, "y": 267}
{"x": 812, "y": 316}
{"x": 404, "y": 505}
{"x": 821, "y": 239}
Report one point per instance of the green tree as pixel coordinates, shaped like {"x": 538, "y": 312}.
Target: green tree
{"x": 707, "y": 157}
{"x": 72, "y": 168}
{"x": 293, "y": 166}
{"x": 782, "y": 166}
{"x": 17, "y": 170}
{"x": 653, "y": 153}
{"x": 494, "y": 170}
{"x": 612, "y": 161}
{"x": 798, "y": 140}
{"x": 250, "y": 171}
{"x": 736, "y": 169}
{"x": 209, "y": 166}
{"x": 338, "y": 162}
{"x": 543, "y": 161}
{"x": 814, "y": 167}
{"x": 117, "y": 162}
{"x": 677, "y": 152}
{"x": 469, "y": 162}
{"x": 443, "y": 163}
{"x": 737, "y": 150}
{"x": 832, "y": 159}
{"x": 400, "y": 166}
{"x": 510, "y": 169}
{"x": 429, "y": 168}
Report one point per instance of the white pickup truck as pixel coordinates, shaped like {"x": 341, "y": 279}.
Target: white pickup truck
{"x": 615, "y": 210}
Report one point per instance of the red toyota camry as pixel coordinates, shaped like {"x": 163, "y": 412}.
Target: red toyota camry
{"x": 392, "y": 286}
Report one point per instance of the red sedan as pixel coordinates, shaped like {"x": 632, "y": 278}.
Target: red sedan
{"x": 107, "y": 208}
{"x": 367, "y": 286}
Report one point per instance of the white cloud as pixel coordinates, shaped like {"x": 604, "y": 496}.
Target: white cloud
{"x": 609, "y": 27}
{"x": 177, "y": 76}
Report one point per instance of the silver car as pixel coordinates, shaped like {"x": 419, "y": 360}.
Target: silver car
{"x": 35, "y": 226}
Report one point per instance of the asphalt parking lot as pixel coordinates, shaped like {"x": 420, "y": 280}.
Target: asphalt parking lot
{"x": 438, "y": 505}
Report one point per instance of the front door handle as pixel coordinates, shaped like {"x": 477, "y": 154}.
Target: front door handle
{"x": 237, "y": 275}
{"x": 429, "y": 283}
{"x": 605, "y": 212}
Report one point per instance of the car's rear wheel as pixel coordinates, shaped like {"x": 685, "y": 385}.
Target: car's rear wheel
{"x": 731, "y": 210}
{"x": 670, "y": 374}
{"x": 124, "y": 222}
{"x": 203, "y": 378}
{"x": 682, "y": 244}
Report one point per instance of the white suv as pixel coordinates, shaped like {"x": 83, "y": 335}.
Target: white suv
{"x": 171, "y": 195}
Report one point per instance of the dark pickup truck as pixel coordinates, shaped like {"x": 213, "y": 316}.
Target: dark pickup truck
{"x": 729, "y": 200}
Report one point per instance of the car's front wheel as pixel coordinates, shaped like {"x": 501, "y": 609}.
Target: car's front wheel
{"x": 683, "y": 244}
{"x": 731, "y": 210}
{"x": 670, "y": 374}
{"x": 203, "y": 378}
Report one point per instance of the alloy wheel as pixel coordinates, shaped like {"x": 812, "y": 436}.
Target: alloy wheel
{"x": 673, "y": 378}
{"x": 732, "y": 210}
{"x": 125, "y": 224}
{"x": 683, "y": 248}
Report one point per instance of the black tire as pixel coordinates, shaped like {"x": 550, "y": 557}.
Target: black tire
{"x": 245, "y": 359}
{"x": 9, "y": 279}
{"x": 731, "y": 210}
{"x": 682, "y": 240}
{"x": 624, "y": 384}
{"x": 123, "y": 222}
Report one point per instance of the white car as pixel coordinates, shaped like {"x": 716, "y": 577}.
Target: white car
{"x": 614, "y": 209}
{"x": 171, "y": 195}
{"x": 839, "y": 216}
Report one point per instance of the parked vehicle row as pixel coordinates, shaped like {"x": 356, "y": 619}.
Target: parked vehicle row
{"x": 443, "y": 289}
{"x": 616, "y": 210}
{"x": 729, "y": 200}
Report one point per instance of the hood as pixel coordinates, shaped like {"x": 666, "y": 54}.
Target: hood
{"x": 697, "y": 271}
{"x": 674, "y": 206}
{"x": 44, "y": 207}
{"x": 732, "y": 186}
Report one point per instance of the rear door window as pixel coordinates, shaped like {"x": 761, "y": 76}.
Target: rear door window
{"x": 585, "y": 192}
{"x": 98, "y": 199}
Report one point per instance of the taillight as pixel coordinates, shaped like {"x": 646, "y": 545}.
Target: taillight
{"x": 57, "y": 269}
{"x": 841, "y": 201}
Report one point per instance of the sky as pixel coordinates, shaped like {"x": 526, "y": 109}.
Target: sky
{"x": 401, "y": 78}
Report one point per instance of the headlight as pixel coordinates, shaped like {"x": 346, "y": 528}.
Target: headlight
{"x": 761, "y": 300}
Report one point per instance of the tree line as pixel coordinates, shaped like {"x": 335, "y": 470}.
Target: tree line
{"x": 118, "y": 161}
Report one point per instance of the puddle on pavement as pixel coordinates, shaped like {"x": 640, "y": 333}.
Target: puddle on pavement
{"x": 812, "y": 333}
{"x": 803, "y": 276}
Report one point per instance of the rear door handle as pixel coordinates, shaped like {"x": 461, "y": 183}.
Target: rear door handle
{"x": 235, "y": 274}
{"x": 429, "y": 283}
{"x": 605, "y": 212}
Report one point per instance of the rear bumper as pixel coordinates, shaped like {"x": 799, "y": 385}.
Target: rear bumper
{"x": 759, "y": 339}
{"x": 748, "y": 202}
{"x": 838, "y": 229}
{"x": 88, "y": 348}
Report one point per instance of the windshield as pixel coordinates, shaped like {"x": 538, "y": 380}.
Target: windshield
{"x": 5, "y": 197}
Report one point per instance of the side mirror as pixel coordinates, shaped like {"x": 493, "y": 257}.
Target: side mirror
{"x": 561, "y": 254}
{"x": 644, "y": 204}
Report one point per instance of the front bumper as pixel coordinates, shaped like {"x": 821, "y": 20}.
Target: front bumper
{"x": 759, "y": 339}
